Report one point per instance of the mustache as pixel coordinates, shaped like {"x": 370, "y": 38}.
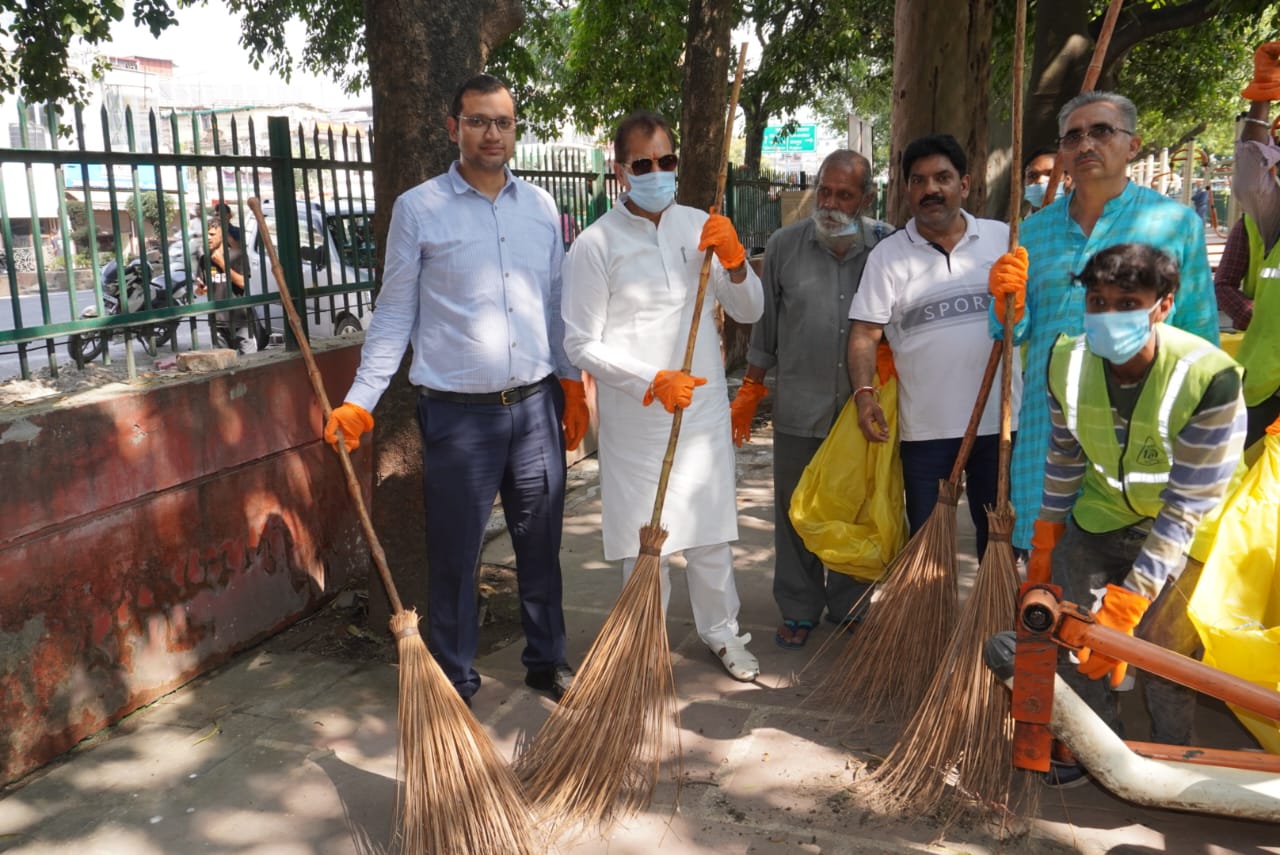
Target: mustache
{"x": 933, "y": 197}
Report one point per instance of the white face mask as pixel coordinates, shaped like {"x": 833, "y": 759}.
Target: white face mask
{"x": 654, "y": 191}
{"x": 835, "y": 224}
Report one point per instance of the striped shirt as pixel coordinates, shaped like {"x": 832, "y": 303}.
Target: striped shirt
{"x": 1055, "y": 304}
{"x": 1205, "y": 454}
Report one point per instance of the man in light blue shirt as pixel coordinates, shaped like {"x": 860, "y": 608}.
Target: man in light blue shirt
{"x": 472, "y": 282}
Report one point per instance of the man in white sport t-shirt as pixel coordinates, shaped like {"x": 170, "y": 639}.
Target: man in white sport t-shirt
{"x": 924, "y": 289}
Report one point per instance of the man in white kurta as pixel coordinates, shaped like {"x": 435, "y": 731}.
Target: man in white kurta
{"x": 630, "y": 282}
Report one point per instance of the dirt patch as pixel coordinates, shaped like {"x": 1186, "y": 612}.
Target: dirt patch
{"x": 341, "y": 629}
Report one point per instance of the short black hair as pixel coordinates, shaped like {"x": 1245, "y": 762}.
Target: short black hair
{"x": 1131, "y": 267}
{"x": 641, "y": 120}
{"x": 927, "y": 146}
{"x": 482, "y": 83}
{"x": 1043, "y": 151}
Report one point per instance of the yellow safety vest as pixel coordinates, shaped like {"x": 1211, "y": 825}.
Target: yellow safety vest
{"x": 1122, "y": 485}
{"x": 1260, "y": 348}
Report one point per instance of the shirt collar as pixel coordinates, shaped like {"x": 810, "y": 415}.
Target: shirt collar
{"x": 460, "y": 185}
{"x": 970, "y": 230}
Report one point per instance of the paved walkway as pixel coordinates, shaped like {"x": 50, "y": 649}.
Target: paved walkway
{"x": 286, "y": 754}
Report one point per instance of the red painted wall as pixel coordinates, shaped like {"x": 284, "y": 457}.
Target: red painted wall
{"x": 148, "y": 534}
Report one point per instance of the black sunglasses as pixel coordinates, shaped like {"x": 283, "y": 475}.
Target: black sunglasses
{"x": 1100, "y": 133}
{"x": 644, "y": 165}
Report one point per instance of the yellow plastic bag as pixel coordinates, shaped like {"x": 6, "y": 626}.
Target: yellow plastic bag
{"x": 849, "y": 507}
{"x": 1236, "y": 604}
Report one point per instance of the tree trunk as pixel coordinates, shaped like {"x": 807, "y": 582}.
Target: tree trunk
{"x": 754, "y": 124}
{"x": 941, "y": 61}
{"x": 1061, "y": 52}
{"x": 1065, "y": 36}
{"x": 706, "y": 73}
{"x": 419, "y": 51}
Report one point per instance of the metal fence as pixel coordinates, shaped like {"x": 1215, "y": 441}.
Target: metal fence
{"x": 105, "y": 241}
{"x": 753, "y": 201}
{"x": 105, "y": 244}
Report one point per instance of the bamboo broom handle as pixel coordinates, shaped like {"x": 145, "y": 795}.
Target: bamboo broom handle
{"x": 1091, "y": 75}
{"x": 975, "y": 418}
{"x": 313, "y": 373}
{"x": 1005, "y": 453}
{"x": 669, "y": 458}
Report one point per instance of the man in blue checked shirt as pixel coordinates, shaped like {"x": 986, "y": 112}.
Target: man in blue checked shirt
{"x": 472, "y": 282}
{"x": 1097, "y": 139}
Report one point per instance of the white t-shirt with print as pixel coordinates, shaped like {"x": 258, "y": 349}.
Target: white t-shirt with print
{"x": 933, "y": 308}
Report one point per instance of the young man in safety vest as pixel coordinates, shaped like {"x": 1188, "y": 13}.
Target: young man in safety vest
{"x": 1147, "y": 426}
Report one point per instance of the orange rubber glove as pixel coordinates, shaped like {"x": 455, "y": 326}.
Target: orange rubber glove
{"x": 1265, "y": 85}
{"x": 577, "y": 418}
{"x": 673, "y": 389}
{"x": 1121, "y": 609}
{"x": 354, "y": 421}
{"x": 1043, "y": 539}
{"x": 1009, "y": 276}
{"x": 719, "y": 234}
{"x": 885, "y": 367}
{"x": 743, "y": 408}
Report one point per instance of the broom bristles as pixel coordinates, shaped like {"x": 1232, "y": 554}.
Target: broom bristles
{"x": 456, "y": 793}
{"x": 884, "y": 668}
{"x": 600, "y": 752}
{"x": 957, "y": 750}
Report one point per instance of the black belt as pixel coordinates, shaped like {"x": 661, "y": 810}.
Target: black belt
{"x": 506, "y": 397}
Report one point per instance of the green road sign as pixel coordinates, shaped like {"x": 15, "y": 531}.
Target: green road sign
{"x": 803, "y": 138}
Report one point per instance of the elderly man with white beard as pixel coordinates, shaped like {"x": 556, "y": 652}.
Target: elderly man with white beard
{"x": 811, "y": 272}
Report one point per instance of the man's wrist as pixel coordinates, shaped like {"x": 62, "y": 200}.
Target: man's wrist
{"x": 863, "y": 390}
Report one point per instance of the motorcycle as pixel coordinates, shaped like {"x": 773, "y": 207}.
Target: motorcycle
{"x": 85, "y": 347}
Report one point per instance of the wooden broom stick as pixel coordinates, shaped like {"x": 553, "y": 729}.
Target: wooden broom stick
{"x": 457, "y": 795}
{"x": 721, "y": 178}
{"x": 1090, "y": 80}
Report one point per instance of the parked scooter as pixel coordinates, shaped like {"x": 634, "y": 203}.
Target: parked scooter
{"x": 138, "y": 277}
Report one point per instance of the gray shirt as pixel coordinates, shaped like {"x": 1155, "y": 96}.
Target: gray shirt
{"x": 804, "y": 331}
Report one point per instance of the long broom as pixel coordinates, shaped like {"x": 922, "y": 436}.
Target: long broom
{"x": 956, "y": 751}
{"x": 601, "y": 750}
{"x": 456, "y": 793}
{"x": 914, "y": 613}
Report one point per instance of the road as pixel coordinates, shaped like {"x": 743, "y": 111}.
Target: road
{"x": 59, "y": 311}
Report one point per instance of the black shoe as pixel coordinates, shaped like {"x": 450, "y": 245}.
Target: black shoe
{"x": 554, "y": 681}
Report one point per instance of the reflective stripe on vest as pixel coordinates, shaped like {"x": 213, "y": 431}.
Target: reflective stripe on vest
{"x": 1259, "y": 351}
{"x": 1121, "y": 487}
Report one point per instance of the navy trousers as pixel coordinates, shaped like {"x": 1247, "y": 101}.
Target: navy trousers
{"x": 472, "y": 453}
{"x": 926, "y": 462}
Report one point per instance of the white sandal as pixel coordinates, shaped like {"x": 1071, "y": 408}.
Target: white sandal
{"x": 737, "y": 660}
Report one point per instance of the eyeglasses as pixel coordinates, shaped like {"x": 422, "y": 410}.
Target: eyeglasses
{"x": 504, "y": 124}
{"x": 1100, "y": 133}
{"x": 644, "y": 165}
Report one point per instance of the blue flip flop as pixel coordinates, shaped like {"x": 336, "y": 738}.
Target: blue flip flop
{"x": 798, "y": 630}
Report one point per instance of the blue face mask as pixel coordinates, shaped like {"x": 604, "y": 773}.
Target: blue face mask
{"x": 1118, "y": 336}
{"x": 653, "y": 191}
{"x": 1034, "y": 193}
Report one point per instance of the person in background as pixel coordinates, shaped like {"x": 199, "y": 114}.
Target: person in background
{"x": 472, "y": 283}
{"x": 811, "y": 272}
{"x": 1254, "y": 184}
{"x": 1036, "y": 171}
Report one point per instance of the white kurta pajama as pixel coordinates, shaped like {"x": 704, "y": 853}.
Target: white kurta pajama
{"x": 629, "y": 289}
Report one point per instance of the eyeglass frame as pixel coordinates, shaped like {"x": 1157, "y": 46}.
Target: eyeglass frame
{"x": 650, "y": 162}
{"x": 474, "y": 123}
{"x": 1099, "y": 132}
